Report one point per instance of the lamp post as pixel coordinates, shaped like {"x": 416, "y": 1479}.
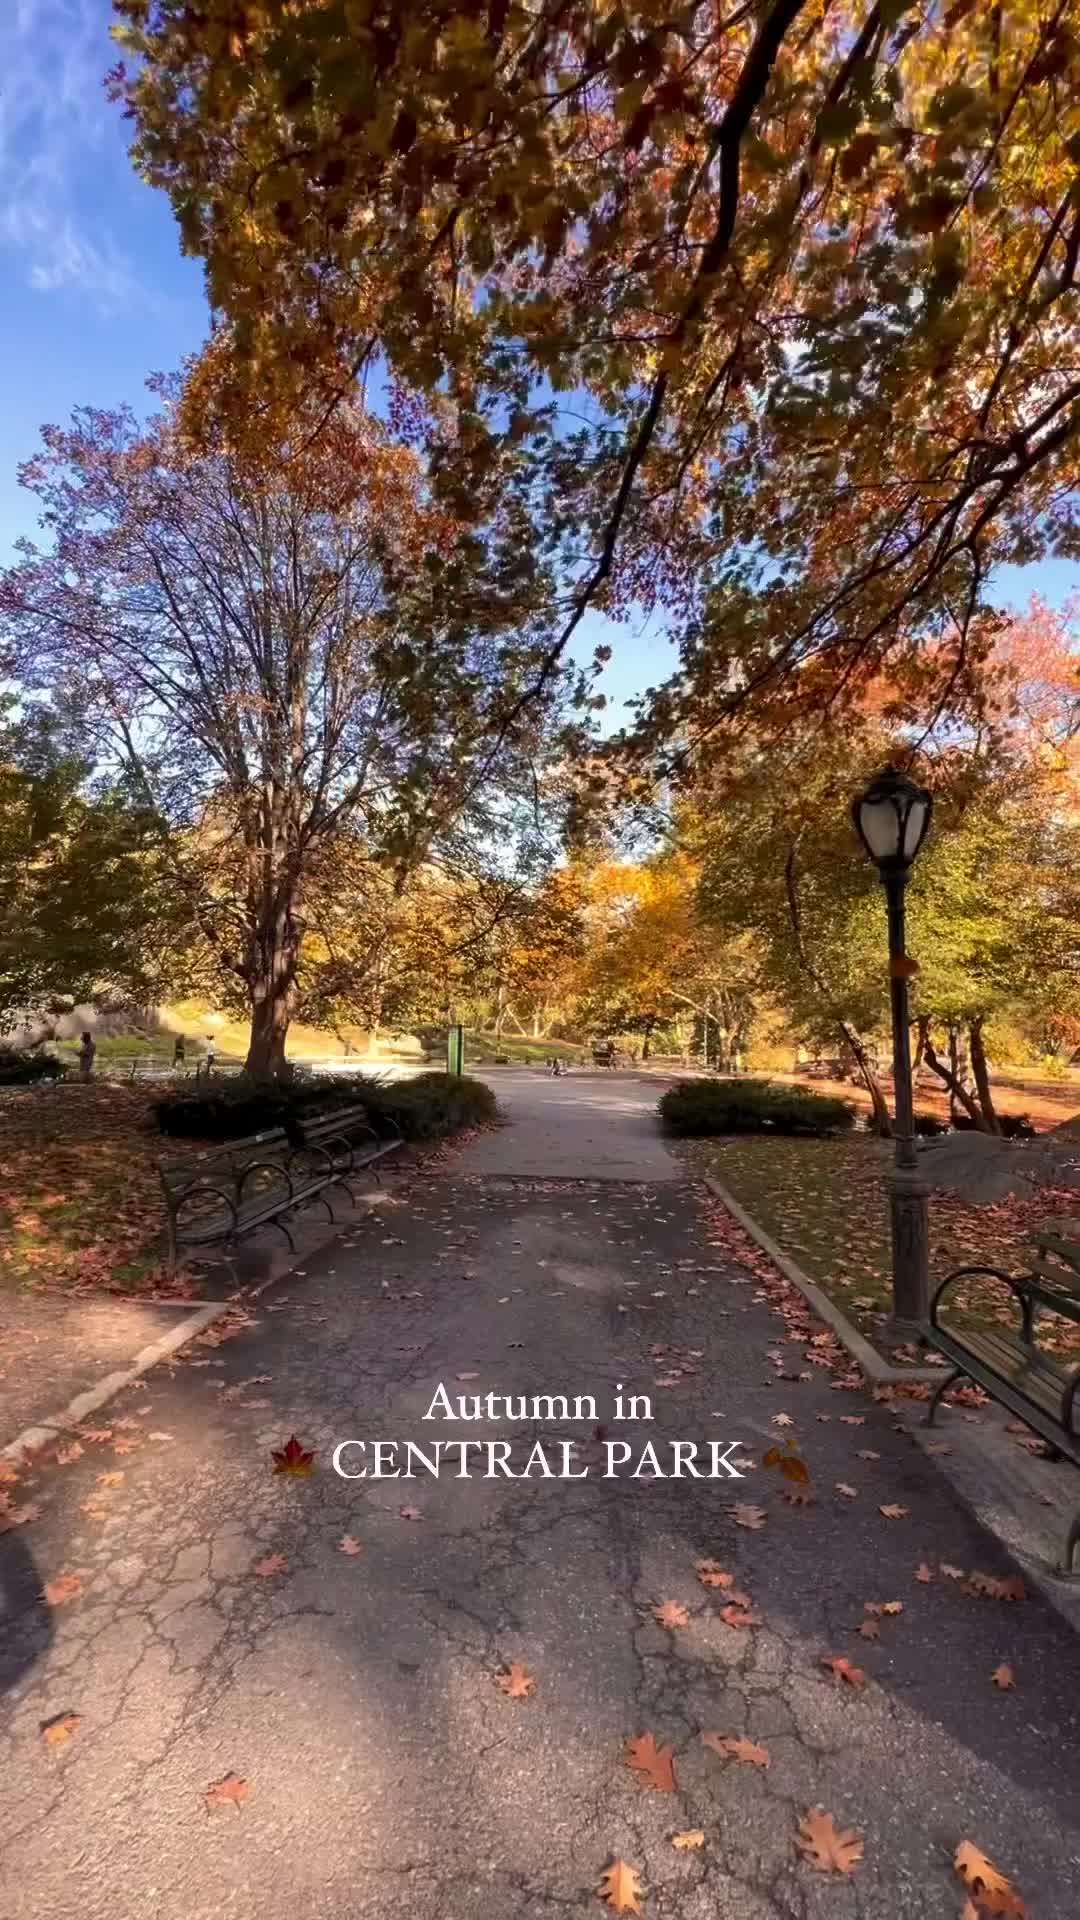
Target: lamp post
{"x": 892, "y": 818}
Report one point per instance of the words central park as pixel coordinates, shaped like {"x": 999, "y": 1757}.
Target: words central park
{"x": 540, "y": 960}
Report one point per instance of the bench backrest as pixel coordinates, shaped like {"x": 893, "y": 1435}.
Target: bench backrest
{"x": 1057, "y": 1262}
{"x": 318, "y": 1126}
{"x": 179, "y": 1173}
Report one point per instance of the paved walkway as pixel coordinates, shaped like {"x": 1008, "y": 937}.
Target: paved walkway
{"x": 597, "y": 1125}
{"x": 209, "y": 1622}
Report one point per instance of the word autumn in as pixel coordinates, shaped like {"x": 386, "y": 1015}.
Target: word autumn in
{"x": 545, "y": 1460}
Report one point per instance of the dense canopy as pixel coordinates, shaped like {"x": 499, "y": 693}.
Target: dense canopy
{"x": 783, "y": 294}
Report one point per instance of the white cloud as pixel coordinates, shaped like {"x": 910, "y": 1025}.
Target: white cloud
{"x": 54, "y": 137}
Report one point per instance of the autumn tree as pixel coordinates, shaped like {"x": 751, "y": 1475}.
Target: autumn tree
{"x": 648, "y": 964}
{"x": 780, "y": 867}
{"x": 87, "y": 906}
{"x": 806, "y": 269}
{"x": 279, "y": 646}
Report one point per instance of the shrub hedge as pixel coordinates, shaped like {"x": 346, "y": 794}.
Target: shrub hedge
{"x": 21, "y": 1068}
{"x": 700, "y": 1107}
{"x": 429, "y": 1107}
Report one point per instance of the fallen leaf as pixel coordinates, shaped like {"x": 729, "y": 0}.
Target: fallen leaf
{"x": 515, "y": 1681}
{"x": 826, "y": 1846}
{"x": 18, "y": 1516}
{"x": 621, "y": 1887}
{"x": 711, "y": 1574}
{"x": 990, "y": 1888}
{"x": 798, "y": 1497}
{"x": 114, "y": 1479}
{"x": 736, "y": 1747}
{"x": 952, "y": 1573}
{"x": 993, "y": 1588}
{"x": 270, "y": 1564}
{"x": 849, "y": 1493}
{"x": 654, "y": 1766}
{"x": 410, "y": 1513}
{"x": 842, "y": 1669}
{"x": 869, "y": 1629}
{"x": 65, "y": 1455}
{"x": 924, "y": 1574}
{"x": 685, "y": 1842}
{"x": 752, "y": 1517}
{"x": 670, "y": 1614}
{"x": 867, "y": 1453}
{"x": 883, "y": 1606}
{"x": 1003, "y": 1676}
{"x": 740, "y": 1616}
{"x": 466, "y": 1376}
{"x": 782, "y": 1420}
{"x": 66, "y": 1586}
{"x": 292, "y": 1458}
{"x": 96, "y": 1434}
{"x": 348, "y": 1545}
{"x": 893, "y": 1512}
{"x": 57, "y": 1731}
{"x": 229, "y": 1790}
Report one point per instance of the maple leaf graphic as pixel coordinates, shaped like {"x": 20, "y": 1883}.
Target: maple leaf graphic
{"x": 292, "y": 1458}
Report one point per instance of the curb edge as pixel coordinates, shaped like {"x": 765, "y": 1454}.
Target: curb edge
{"x": 873, "y": 1366}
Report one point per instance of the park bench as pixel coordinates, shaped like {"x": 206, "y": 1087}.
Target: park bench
{"x": 218, "y": 1195}
{"x": 1010, "y": 1365}
{"x": 333, "y": 1142}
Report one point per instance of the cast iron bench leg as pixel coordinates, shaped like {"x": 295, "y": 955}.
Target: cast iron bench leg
{"x": 948, "y": 1381}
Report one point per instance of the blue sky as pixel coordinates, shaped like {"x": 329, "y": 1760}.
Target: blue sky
{"x": 94, "y": 293}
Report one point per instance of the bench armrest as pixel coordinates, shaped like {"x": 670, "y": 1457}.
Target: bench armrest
{"x": 262, "y": 1166}
{"x": 199, "y": 1186}
{"x": 1014, "y": 1281}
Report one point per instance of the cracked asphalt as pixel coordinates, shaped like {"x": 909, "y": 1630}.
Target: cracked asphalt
{"x": 355, "y": 1694}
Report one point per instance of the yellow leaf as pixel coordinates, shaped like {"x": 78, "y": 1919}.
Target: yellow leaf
{"x": 621, "y": 1887}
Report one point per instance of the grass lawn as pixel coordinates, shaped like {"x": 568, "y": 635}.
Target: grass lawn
{"x": 80, "y": 1202}
{"x": 824, "y": 1202}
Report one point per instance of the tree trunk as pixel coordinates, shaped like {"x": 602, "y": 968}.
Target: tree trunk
{"x": 921, "y": 1029}
{"x": 882, "y": 1120}
{"x": 982, "y": 1076}
{"x": 958, "y": 1093}
{"x": 500, "y": 1013}
{"x": 272, "y": 984}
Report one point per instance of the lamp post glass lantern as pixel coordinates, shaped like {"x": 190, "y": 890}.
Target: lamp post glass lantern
{"x": 892, "y": 819}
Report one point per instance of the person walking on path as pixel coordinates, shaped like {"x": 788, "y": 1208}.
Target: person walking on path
{"x": 178, "y": 1053}
{"x": 87, "y": 1050}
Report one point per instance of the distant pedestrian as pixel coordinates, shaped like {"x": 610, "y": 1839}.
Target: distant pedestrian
{"x": 87, "y": 1050}
{"x": 178, "y": 1053}
{"x": 211, "y": 1050}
